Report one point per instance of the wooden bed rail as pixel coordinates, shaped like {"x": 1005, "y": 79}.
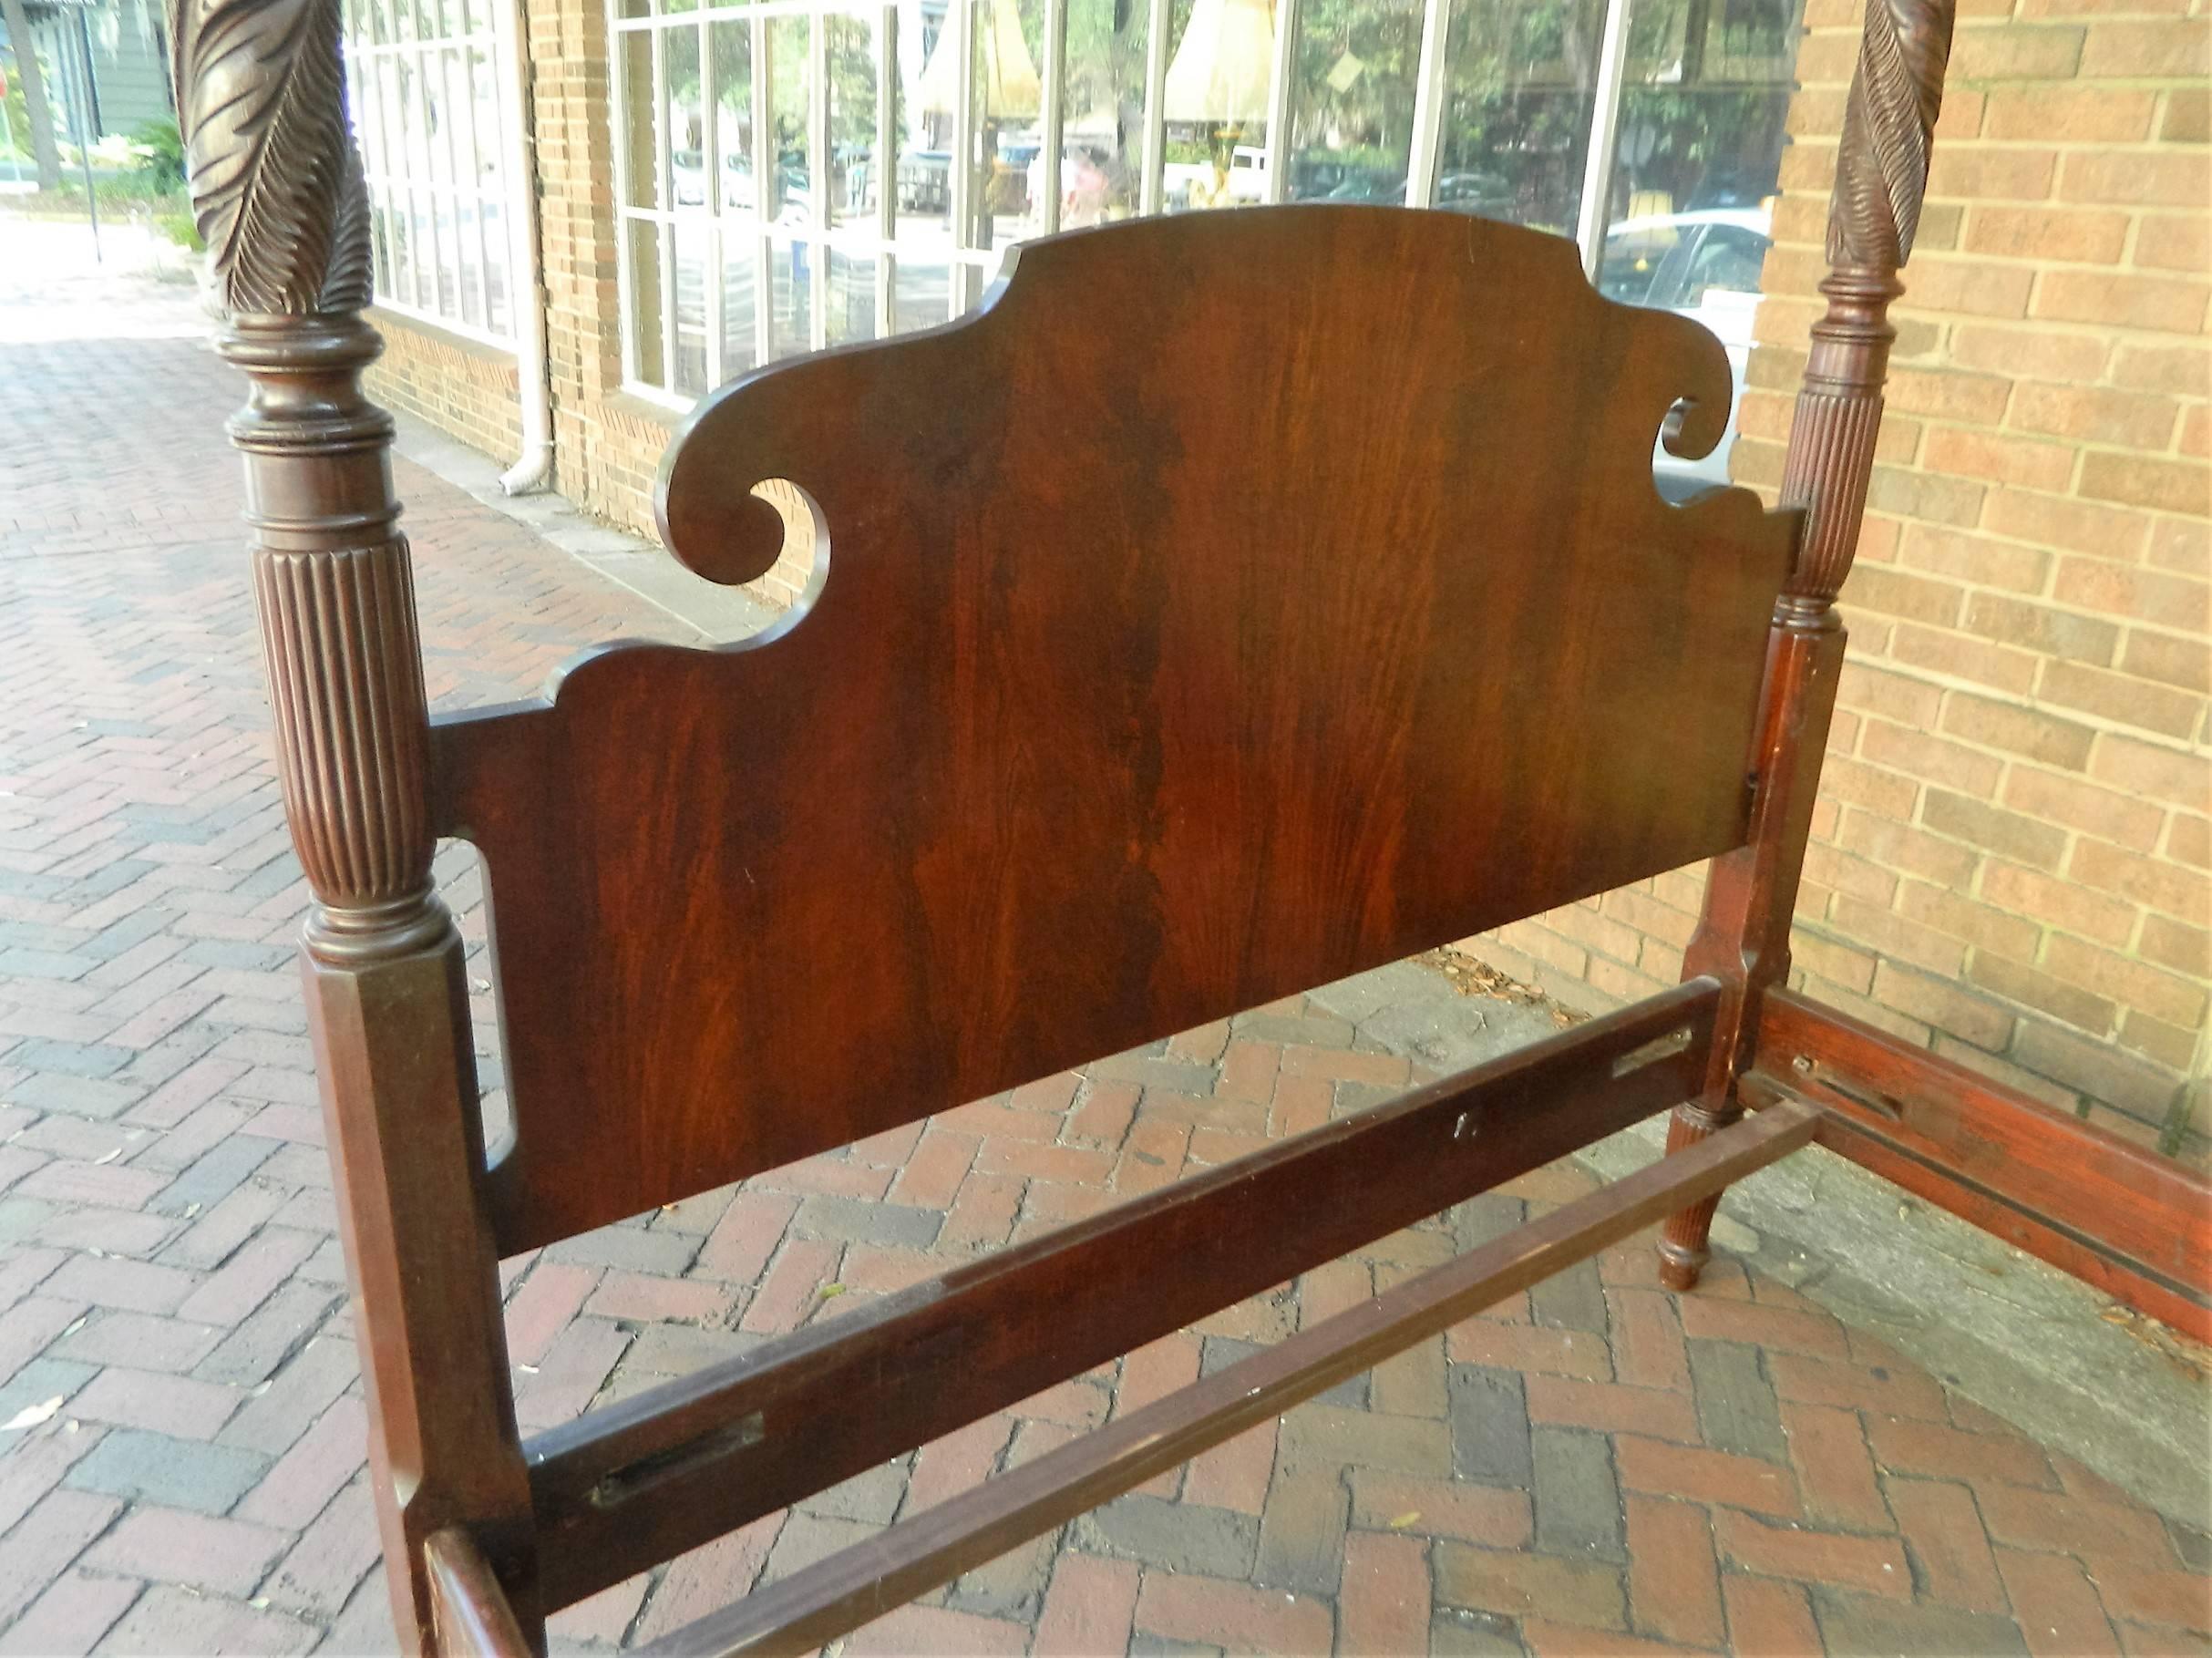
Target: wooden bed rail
{"x": 671, "y": 1467}
{"x": 862, "y": 1583}
{"x": 2135, "y": 1225}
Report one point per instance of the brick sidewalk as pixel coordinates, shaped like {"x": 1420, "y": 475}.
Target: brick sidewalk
{"x": 1596, "y": 1465}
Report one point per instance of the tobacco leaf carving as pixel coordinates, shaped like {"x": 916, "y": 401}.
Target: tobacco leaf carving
{"x": 1888, "y": 127}
{"x": 349, "y": 286}
{"x": 274, "y": 183}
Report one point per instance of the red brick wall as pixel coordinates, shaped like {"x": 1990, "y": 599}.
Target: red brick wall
{"x": 2010, "y": 852}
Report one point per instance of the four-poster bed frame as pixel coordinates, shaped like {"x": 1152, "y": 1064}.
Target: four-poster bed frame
{"x": 1237, "y": 601}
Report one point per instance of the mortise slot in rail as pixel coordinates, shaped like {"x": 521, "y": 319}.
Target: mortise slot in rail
{"x": 636, "y": 1478}
{"x": 1660, "y": 1047}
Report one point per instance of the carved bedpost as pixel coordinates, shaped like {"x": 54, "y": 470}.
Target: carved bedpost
{"x": 1881, "y": 179}
{"x": 278, "y": 195}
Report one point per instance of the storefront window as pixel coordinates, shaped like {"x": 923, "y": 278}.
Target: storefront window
{"x": 1698, "y": 158}
{"x": 797, "y": 174}
{"x": 426, "y": 98}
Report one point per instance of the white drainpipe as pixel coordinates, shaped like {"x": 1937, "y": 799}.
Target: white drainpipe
{"x": 532, "y": 372}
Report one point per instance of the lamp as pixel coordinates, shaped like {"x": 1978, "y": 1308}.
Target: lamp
{"x": 1221, "y": 68}
{"x": 1011, "y": 87}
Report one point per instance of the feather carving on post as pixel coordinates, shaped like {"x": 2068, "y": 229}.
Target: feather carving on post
{"x": 1888, "y": 127}
{"x": 276, "y": 186}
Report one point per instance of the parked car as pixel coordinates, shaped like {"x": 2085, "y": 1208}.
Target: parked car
{"x": 1704, "y": 264}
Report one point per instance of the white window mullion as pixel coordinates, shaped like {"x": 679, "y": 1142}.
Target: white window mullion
{"x": 763, "y": 160}
{"x": 1150, "y": 189}
{"x": 962, "y": 155}
{"x": 887, "y": 166}
{"x": 664, "y": 235}
{"x": 1274, "y": 185}
{"x": 624, "y": 289}
{"x": 710, "y": 157}
{"x": 1429, "y": 102}
{"x": 821, "y": 165}
{"x": 1604, "y": 135}
{"x": 1052, "y": 112}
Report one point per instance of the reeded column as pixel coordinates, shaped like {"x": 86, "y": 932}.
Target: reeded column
{"x": 278, "y": 195}
{"x": 1881, "y": 179}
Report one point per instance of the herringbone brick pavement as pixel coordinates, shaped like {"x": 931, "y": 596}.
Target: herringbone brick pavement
{"x": 1597, "y": 1466}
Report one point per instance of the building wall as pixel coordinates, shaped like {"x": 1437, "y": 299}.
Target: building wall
{"x": 458, "y": 384}
{"x": 2010, "y": 852}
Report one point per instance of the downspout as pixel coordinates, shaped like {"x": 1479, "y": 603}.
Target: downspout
{"x": 533, "y": 371}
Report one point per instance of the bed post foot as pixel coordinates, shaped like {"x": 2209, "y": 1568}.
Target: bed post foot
{"x": 1682, "y": 1240}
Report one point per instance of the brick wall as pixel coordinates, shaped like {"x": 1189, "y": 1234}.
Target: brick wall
{"x": 456, "y": 385}
{"x": 2010, "y": 852}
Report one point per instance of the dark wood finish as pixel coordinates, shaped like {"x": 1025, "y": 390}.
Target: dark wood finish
{"x": 277, "y": 192}
{"x": 833, "y": 1596}
{"x": 668, "y": 1468}
{"x": 469, "y": 1609}
{"x": 1337, "y": 619}
{"x": 1744, "y": 936}
{"x": 1881, "y": 179}
{"x": 2136, "y": 1225}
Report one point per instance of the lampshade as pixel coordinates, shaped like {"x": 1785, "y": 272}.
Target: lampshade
{"x": 1011, "y": 87}
{"x": 1220, "y": 71}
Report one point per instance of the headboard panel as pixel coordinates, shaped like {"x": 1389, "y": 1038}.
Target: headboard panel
{"x": 1237, "y": 601}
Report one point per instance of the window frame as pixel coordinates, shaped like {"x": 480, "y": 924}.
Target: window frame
{"x": 374, "y": 49}
{"x": 969, "y": 268}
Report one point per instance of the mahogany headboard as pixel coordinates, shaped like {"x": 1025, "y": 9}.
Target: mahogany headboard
{"x": 1232, "y": 603}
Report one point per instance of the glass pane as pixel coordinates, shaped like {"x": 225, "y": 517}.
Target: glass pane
{"x": 732, "y": 44}
{"x": 498, "y": 319}
{"x": 852, "y": 297}
{"x": 645, "y": 239}
{"x": 641, "y": 131}
{"x": 1004, "y": 46}
{"x": 1696, "y": 167}
{"x": 1102, "y": 151}
{"x": 686, "y": 115}
{"x": 426, "y": 253}
{"x": 788, "y": 198}
{"x": 1352, "y": 123}
{"x": 790, "y": 298}
{"x": 380, "y": 250}
{"x": 1216, "y": 104}
{"x": 456, "y": 114}
{"x": 1519, "y": 91}
{"x": 741, "y": 257}
{"x": 920, "y": 297}
{"x": 637, "y": 8}
{"x": 468, "y": 300}
{"x": 484, "y": 93}
{"x": 690, "y": 309}
{"x": 852, "y": 173}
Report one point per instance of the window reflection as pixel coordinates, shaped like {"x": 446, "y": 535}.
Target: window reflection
{"x": 1521, "y": 86}
{"x": 801, "y": 173}
{"x": 1352, "y": 122}
{"x": 1697, "y": 163}
{"x": 1216, "y": 104}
